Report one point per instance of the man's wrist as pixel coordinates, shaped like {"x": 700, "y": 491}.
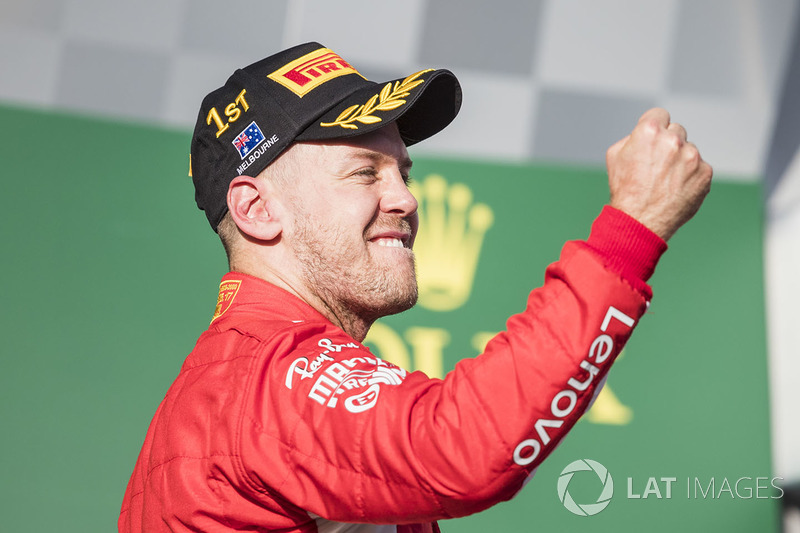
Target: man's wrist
{"x": 626, "y": 246}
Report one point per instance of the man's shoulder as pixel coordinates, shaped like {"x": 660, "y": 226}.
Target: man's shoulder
{"x": 259, "y": 337}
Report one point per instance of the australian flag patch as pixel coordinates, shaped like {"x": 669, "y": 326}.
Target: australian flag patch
{"x": 247, "y": 141}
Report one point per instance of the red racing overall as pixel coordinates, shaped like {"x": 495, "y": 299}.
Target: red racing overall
{"x": 279, "y": 421}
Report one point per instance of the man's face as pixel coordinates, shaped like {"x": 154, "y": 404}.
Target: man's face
{"x": 354, "y": 223}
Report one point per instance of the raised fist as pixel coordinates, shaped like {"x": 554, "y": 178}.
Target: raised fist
{"x": 656, "y": 176}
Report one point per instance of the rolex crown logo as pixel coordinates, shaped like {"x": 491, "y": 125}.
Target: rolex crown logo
{"x": 449, "y": 242}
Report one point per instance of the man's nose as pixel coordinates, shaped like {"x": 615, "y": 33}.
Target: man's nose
{"x": 397, "y": 198}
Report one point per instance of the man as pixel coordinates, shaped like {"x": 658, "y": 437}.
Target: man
{"x": 281, "y": 420}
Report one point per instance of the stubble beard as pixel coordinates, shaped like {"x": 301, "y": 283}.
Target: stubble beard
{"x": 349, "y": 279}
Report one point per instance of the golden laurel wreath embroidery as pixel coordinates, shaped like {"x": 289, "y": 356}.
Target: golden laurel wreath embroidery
{"x": 388, "y": 99}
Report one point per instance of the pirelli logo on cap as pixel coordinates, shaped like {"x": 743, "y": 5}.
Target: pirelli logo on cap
{"x": 312, "y": 70}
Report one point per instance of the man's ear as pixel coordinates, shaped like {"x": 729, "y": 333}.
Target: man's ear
{"x": 249, "y": 206}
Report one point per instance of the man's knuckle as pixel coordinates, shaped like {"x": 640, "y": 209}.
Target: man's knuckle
{"x": 677, "y": 128}
{"x": 674, "y": 142}
{"x": 691, "y": 154}
{"x": 650, "y": 127}
{"x": 708, "y": 173}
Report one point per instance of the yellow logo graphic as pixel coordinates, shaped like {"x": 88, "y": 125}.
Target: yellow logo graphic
{"x": 227, "y": 292}
{"x": 386, "y": 100}
{"x": 449, "y": 242}
{"x": 312, "y": 70}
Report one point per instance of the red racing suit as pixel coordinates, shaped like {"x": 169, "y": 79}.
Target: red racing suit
{"x": 279, "y": 421}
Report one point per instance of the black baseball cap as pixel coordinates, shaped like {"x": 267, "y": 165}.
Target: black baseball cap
{"x": 305, "y": 93}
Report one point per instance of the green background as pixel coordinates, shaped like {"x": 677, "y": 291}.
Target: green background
{"x": 112, "y": 273}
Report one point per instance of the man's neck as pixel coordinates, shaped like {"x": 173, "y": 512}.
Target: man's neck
{"x": 351, "y": 323}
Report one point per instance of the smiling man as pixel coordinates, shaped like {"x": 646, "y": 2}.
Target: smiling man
{"x": 347, "y": 222}
{"x": 280, "y": 419}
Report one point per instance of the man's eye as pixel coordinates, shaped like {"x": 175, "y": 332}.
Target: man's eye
{"x": 366, "y": 172}
{"x": 408, "y": 180}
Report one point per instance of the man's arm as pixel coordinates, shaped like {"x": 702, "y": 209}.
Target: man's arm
{"x": 361, "y": 441}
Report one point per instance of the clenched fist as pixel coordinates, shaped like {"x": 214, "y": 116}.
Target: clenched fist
{"x": 656, "y": 176}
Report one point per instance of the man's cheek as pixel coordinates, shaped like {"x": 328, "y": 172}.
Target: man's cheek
{"x": 413, "y": 220}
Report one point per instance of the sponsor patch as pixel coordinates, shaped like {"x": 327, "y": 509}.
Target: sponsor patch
{"x": 312, "y": 70}
{"x": 255, "y": 154}
{"x": 356, "y": 380}
{"x": 227, "y": 292}
{"x": 248, "y": 140}
{"x": 601, "y": 349}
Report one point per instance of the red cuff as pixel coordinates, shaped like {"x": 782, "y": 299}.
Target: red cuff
{"x": 626, "y": 247}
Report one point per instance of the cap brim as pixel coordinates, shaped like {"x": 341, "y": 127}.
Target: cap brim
{"x": 422, "y": 105}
